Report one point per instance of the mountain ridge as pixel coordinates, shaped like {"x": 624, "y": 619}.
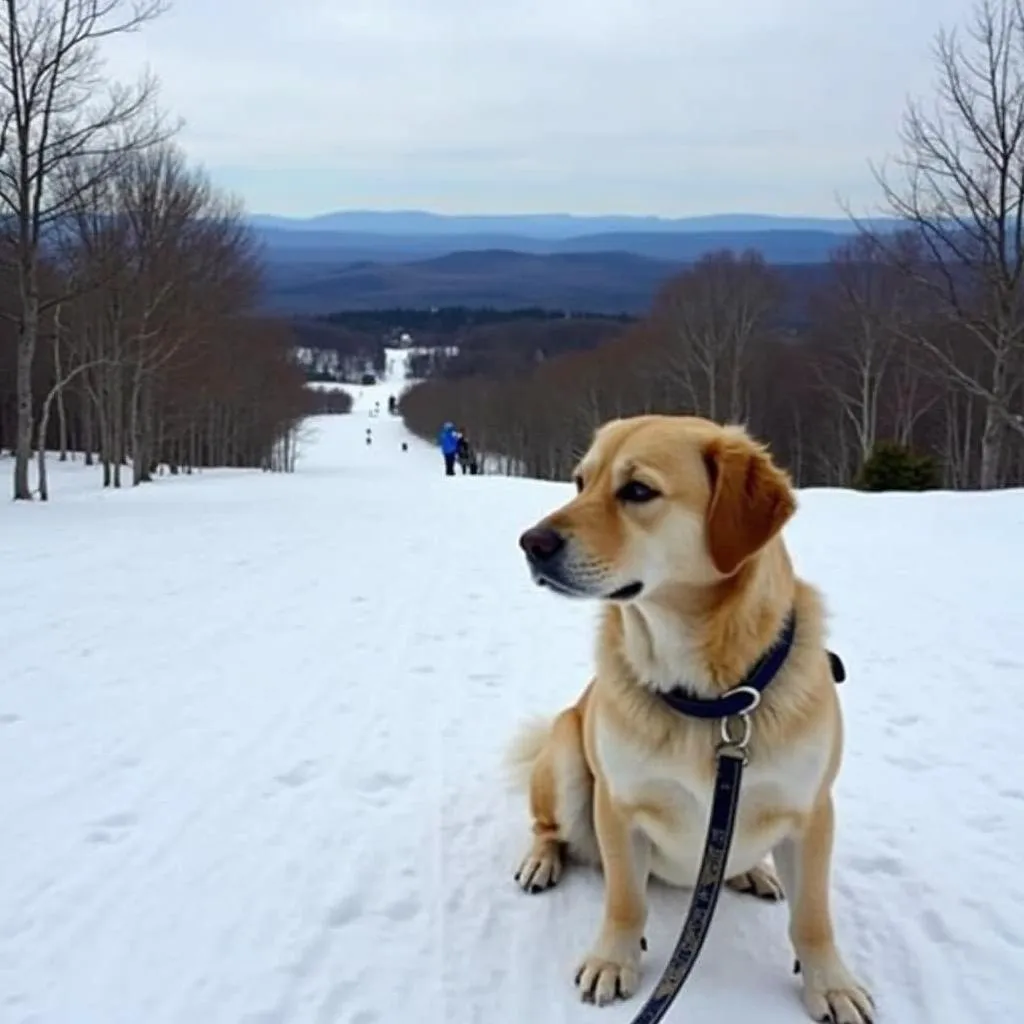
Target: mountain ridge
{"x": 601, "y": 282}
{"x": 360, "y": 260}
{"x": 551, "y": 225}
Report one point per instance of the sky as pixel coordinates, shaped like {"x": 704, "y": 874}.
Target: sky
{"x": 666, "y": 107}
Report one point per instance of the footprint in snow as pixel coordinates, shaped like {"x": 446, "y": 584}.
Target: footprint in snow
{"x": 403, "y": 909}
{"x": 381, "y": 781}
{"x": 299, "y": 775}
{"x": 366, "y": 1017}
{"x": 877, "y": 865}
{"x": 346, "y": 910}
{"x": 112, "y": 829}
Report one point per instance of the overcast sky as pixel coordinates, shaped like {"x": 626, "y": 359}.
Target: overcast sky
{"x": 672, "y": 107}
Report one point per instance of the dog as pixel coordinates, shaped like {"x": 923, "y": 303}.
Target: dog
{"x": 676, "y": 530}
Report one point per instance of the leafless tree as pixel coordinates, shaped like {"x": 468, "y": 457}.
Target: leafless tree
{"x": 56, "y": 109}
{"x": 710, "y": 315}
{"x": 959, "y": 186}
{"x": 166, "y": 260}
{"x": 65, "y": 372}
{"x": 863, "y": 361}
{"x": 195, "y": 264}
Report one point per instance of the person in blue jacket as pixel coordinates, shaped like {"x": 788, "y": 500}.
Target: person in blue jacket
{"x": 448, "y": 439}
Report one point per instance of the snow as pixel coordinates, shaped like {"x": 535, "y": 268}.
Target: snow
{"x": 251, "y": 730}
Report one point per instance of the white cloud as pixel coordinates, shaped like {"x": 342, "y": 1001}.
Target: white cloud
{"x": 589, "y": 105}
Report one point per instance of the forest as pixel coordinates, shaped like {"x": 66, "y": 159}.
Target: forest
{"x": 129, "y": 285}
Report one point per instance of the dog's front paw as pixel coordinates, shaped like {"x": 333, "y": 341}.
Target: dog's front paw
{"x": 836, "y": 997}
{"x": 601, "y": 979}
{"x": 760, "y": 882}
{"x": 541, "y": 867}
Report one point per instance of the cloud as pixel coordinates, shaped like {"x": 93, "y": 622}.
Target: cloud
{"x": 585, "y": 105}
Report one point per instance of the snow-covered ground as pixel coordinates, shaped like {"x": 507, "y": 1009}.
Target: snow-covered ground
{"x": 251, "y": 730}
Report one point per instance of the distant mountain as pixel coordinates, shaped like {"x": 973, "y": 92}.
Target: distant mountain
{"x": 362, "y": 260}
{"x": 548, "y": 225}
{"x": 600, "y": 282}
{"x": 501, "y": 279}
{"x": 339, "y": 247}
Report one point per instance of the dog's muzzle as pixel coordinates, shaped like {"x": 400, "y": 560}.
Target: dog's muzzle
{"x": 545, "y": 554}
{"x": 546, "y": 550}
{"x": 541, "y": 544}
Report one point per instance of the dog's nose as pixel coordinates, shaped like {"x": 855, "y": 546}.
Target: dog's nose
{"x": 541, "y": 543}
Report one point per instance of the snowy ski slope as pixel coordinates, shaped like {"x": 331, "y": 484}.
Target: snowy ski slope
{"x": 250, "y": 741}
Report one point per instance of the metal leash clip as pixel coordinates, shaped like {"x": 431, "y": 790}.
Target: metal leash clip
{"x": 736, "y": 746}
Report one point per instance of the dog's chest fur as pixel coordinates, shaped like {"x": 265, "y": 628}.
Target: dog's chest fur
{"x": 668, "y": 794}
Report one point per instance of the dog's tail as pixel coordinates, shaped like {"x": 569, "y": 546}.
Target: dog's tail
{"x": 523, "y": 751}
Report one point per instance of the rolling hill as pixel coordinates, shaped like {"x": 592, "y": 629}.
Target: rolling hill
{"x": 368, "y": 260}
{"x": 547, "y": 225}
{"x": 609, "y": 282}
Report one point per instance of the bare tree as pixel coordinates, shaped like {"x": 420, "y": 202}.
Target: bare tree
{"x": 164, "y": 259}
{"x": 710, "y": 315}
{"x": 64, "y": 376}
{"x": 194, "y": 264}
{"x": 961, "y": 191}
{"x": 864, "y": 363}
{"x": 55, "y": 110}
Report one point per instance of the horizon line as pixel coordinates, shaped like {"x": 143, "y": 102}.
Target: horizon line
{"x": 419, "y": 211}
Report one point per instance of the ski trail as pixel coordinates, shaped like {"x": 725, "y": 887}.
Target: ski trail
{"x": 251, "y": 730}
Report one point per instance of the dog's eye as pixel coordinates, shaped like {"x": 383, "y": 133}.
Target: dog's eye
{"x": 636, "y": 492}
{"x": 578, "y": 481}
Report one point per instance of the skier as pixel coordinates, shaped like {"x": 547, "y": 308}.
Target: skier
{"x": 448, "y": 439}
{"x": 463, "y": 453}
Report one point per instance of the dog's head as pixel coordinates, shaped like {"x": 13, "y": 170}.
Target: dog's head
{"x": 661, "y": 500}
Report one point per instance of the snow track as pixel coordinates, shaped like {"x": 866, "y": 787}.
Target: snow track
{"x": 250, "y": 741}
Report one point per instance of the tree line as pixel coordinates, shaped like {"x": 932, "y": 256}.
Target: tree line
{"x": 451, "y": 341}
{"x": 914, "y": 338}
{"x": 128, "y": 283}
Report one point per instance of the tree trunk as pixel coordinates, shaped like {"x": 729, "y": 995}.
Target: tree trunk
{"x": 88, "y": 430}
{"x": 58, "y": 373}
{"x": 62, "y": 426}
{"x": 26, "y": 357}
{"x": 44, "y": 426}
{"x": 117, "y": 429}
{"x": 147, "y": 437}
{"x": 139, "y": 457}
{"x": 992, "y": 436}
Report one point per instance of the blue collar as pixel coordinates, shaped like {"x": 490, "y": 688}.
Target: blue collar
{"x": 745, "y": 697}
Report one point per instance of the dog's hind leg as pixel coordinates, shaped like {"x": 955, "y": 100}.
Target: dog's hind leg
{"x": 561, "y": 799}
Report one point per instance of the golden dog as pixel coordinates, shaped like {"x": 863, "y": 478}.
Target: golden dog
{"x": 677, "y": 528}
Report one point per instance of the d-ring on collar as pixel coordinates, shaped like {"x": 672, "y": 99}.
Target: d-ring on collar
{"x": 744, "y": 698}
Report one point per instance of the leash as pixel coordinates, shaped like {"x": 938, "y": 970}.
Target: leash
{"x": 730, "y": 759}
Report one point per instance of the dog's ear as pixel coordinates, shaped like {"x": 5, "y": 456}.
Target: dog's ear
{"x": 751, "y": 499}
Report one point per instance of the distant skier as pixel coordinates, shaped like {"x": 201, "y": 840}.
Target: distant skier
{"x": 369, "y": 436}
{"x": 405, "y": 446}
{"x": 466, "y": 456}
{"x": 448, "y": 439}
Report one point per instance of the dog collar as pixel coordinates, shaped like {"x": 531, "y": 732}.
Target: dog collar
{"x": 744, "y": 698}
